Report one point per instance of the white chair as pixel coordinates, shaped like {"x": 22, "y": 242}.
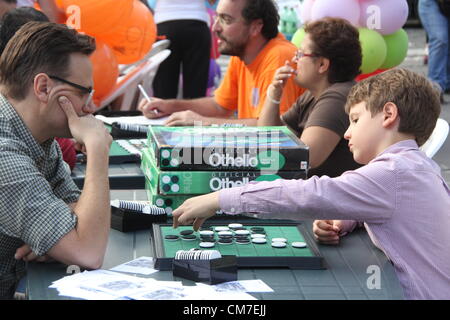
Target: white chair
{"x": 127, "y": 85}
{"x": 157, "y": 47}
{"x": 437, "y": 138}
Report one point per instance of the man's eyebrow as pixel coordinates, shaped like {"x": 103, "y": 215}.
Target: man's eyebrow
{"x": 224, "y": 15}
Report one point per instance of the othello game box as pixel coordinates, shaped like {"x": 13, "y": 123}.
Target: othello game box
{"x": 227, "y": 148}
{"x": 201, "y": 182}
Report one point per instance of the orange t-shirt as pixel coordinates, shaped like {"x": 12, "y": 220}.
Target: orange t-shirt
{"x": 244, "y": 87}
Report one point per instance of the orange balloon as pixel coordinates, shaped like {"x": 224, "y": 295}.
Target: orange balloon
{"x": 135, "y": 35}
{"x": 96, "y": 17}
{"x": 105, "y": 70}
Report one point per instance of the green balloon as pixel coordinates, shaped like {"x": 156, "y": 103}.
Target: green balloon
{"x": 397, "y": 48}
{"x": 298, "y": 36}
{"x": 373, "y": 50}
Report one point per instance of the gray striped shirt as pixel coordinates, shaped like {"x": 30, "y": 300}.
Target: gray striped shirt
{"x": 35, "y": 188}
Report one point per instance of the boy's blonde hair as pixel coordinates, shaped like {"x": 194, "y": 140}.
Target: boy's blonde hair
{"x": 416, "y": 98}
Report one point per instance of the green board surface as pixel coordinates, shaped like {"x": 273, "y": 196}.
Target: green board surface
{"x": 244, "y": 250}
{"x": 247, "y": 255}
{"x": 117, "y": 150}
{"x": 126, "y": 150}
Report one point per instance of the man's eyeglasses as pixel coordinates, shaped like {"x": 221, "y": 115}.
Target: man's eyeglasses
{"x": 299, "y": 55}
{"x": 89, "y": 90}
{"x": 224, "y": 19}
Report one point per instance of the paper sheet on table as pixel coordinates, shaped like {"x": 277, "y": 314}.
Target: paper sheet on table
{"x": 108, "y": 285}
{"x": 240, "y": 286}
{"x": 77, "y": 285}
{"x": 189, "y": 293}
{"x": 142, "y": 265}
{"x": 141, "y": 120}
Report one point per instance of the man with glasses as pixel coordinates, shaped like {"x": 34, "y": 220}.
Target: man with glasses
{"x": 46, "y": 92}
{"x": 9, "y": 24}
{"x": 247, "y": 31}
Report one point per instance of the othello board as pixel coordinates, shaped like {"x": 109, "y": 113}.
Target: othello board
{"x": 167, "y": 241}
{"x": 123, "y": 151}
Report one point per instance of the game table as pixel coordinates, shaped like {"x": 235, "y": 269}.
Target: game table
{"x": 349, "y": 269}
{"x": 121, "y": 176}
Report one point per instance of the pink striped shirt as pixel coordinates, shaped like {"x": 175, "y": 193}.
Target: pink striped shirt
{"x": 400, "y": 196}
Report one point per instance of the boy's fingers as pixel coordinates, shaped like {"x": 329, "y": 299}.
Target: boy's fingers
{"x": 198, "y": 223}
{"x": 175, "y": 214}
{"x": 325, "y": 225}
{"x": 323, "y": 233}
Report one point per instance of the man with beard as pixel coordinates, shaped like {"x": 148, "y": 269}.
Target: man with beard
{"x": 247, "y": 31}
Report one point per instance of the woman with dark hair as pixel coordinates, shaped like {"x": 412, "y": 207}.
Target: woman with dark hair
{"x": 328, "y": 60}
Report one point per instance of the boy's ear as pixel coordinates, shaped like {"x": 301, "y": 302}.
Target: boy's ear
{"x": 41, "y": 87}
{"x": 390, "y": 114}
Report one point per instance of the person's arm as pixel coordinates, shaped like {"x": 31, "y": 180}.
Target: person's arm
{"x": 86, "y": 244}
{"x": 324, "y": 127}
{"x": 321, "y": 142}
{"x": 52, "y": 11}
{"x": 270, "y": 113}
{"x": 206, "y": 107}
{"x": 367, "y": 194}
{"x": 190, "y": 118}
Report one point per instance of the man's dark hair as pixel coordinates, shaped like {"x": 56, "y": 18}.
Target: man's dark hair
{"x": 337, "y": 40}
{"x": 266, "y": 10}
{"x": 10, "y": 1}
{"x": 39, "y": 47}
{"x": 14, "y": 19}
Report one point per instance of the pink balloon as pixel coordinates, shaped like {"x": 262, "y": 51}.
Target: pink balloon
{"x": 345, "y": 9}
{"x": 384, "y": 16}
{"x": 306, "y": 10}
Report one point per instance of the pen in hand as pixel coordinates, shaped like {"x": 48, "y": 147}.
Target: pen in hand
{"x": 147, "y": 97}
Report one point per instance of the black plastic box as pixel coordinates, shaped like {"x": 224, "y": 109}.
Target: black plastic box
{"x": 207, "y": 271}
{"x": 126, "y": 220}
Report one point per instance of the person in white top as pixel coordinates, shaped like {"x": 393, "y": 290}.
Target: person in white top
{"x": 185, "y": 24}
{"x": 49, "y": 7}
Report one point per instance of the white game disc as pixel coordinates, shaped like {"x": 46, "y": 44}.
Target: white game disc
{"x": 299, "y": 244}
{"x": 279, "y": 244}
{"x": 206, "y": 244}
{"x": 259, "y": 240}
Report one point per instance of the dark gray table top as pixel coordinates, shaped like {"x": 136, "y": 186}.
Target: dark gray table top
{"x": 349, "y": 272}
{"x": 121, "y": 176}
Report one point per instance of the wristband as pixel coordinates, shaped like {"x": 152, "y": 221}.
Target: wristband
{"x": 270, "y": 98}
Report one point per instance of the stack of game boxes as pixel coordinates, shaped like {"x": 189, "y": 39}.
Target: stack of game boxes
{"x": 182, "y": 162}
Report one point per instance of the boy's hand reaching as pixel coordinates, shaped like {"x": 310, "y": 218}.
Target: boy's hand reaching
{"x": 327, "y": 231}
{"x": 196, "y": 210}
